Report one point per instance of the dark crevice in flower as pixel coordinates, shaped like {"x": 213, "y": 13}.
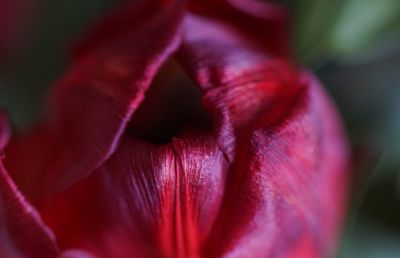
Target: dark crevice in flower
{"x": 171, "y": 108}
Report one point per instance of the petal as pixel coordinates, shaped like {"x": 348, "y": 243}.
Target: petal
{"x": 259, "y": 186}
{"x": 266, "y": 24}
{"x": 22, "y": 232}
{"x": 5, "y": 131}
{"x": 282, "y": 197}
{"x": 287, "y": 197}
{"x": 150, "y": 200}
{"x": 75, "y": 253}
{"x": 241, "y": 82}
{"x": 286, "y": 184}
{"x": 91, "y": 105}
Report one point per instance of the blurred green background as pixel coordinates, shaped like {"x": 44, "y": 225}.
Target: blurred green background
{"x": 352, "y": 45}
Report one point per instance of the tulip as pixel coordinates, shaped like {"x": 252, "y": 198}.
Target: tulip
{"x": 181, "y": 129}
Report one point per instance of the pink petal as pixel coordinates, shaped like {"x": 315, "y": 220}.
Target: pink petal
{"x": 91, "y": 105}
{"x": 22, "y": 232}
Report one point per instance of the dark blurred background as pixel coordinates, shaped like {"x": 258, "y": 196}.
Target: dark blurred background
{"x": 352, "y": 45}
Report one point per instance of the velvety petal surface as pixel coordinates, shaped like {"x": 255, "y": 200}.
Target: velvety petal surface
{"x": 91, "y": 105}
{"x": 286, "y": 184}
{"x": 242, "y": 83}
{"x": 283, "y": 195}
{"x": 150, "y": 200}
{"x": 287, "y": 195}
{"x": 267, "y": 180}
{"x": 22, "y": 232}
{"x": 267, "y": 24}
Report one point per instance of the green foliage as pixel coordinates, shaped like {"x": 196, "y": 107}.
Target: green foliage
{"x": 345, "y": 30}
{"x": 314, "y": 22}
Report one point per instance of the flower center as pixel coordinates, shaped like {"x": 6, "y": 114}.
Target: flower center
{"x": 171, "y": 108}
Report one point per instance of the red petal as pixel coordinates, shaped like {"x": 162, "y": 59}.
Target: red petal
{"x": 264, "y": 23}
{"x": 92, "y": 104}
{"x": 151, "y": 200}
{"x": 284, "y": 195}
{"x": 22, "y": 232}
{"x": 287, "y": 195}
{"x": 5, "y": 131}
{"x": 287, "y": 180}
{"x": 281, "y": 196}
{"x": 242, "y": 82}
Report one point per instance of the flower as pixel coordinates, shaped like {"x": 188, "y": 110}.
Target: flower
{"x": 249, "y": 162}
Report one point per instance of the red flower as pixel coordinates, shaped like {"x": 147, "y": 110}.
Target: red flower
{"x": 120, "y": 170}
